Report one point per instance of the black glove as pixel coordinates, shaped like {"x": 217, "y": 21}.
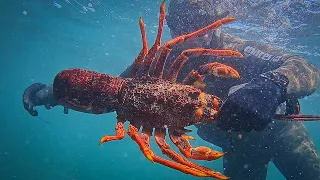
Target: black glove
{"x": 38, "y": 94}
{"x": 253, "y": 106}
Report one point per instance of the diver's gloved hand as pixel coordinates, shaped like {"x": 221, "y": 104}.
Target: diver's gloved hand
{"x": 252, "y": 106}
{"x": 38, "y": 94}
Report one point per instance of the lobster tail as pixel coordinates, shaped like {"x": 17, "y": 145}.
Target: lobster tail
{"x": 87, "y": 91}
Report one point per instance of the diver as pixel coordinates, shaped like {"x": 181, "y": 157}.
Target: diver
{"x": 268, "y": 76}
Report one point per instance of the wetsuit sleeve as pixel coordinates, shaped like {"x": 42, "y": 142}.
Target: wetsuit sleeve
{"x": 304, "y": 78}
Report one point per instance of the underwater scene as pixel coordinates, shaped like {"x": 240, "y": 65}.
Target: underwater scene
{"x": 235, "y": 96}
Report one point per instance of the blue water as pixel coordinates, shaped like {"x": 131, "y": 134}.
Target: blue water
{"x": 39, "y": 38}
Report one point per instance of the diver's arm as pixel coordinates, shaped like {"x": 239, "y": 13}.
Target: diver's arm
{"x": 304, "y": 78}
{"x": 254, "y": 104}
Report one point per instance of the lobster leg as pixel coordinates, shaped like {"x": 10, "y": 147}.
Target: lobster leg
{"x": 166, "y": 48}
{"x": 143, "y": 143}
{"x": 120, "y": 133}
{"x": 196, "y": 77}
{"x": 165, "y": 148}
{"x": 151, "y": 54}
{"x": 144, "y": 51}
{"x": 198, "y": 153}
{"x": 215, "y": 68}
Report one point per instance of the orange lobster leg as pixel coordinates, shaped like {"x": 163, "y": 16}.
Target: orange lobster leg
{"x": 144, "y": 51}
{"x": 166, "y": 48}
{"x": 214, "y": 69}
{"x": 165, "y": 148}
{"x": 151, "y": 55}
{"x": 198, "y": 153}
{"x": 120, "y": 134}
{"x": 143, "y": 143}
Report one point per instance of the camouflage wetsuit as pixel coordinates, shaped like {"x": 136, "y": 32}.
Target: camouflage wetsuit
{"x": 286, "y": 144}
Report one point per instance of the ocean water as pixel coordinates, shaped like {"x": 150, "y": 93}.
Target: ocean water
{"x": 38, "y": 38}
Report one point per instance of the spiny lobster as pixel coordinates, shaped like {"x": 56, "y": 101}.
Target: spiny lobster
{"x": 154, "y": 101}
